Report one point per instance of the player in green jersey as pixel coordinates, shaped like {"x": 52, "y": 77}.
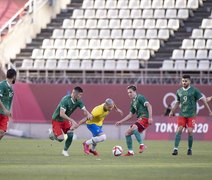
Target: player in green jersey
{"x": 143, "y": 109}
{"x": 6, "y": 97}
{"x": 61, "y": 121}
{"x": 187, "y": 97}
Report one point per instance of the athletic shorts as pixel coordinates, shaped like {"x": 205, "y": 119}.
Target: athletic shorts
{"x": 95, "y": 130}
{"x": 3, "y": 122}
{"x": 142, "y": 124}
{"x": 186, "y": 122}
{"x": 60, "y": 127}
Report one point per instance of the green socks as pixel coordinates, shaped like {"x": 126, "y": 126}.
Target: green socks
{"x": 138, "y": 136}
{"x": 190, "y": 142}
{"x": 177, "y": 140}
{"x": 68, "y": 140}
{"x": 129, "y": 142}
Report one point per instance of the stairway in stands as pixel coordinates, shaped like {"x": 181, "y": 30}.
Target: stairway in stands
{"x": 184, "y": 32}
{"x": 47, "y": 32}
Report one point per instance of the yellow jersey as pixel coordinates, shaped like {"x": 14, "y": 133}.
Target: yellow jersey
{"x": 98, "y": 115}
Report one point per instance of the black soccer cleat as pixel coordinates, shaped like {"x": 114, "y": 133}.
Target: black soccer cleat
{"x": 175, "y": 152}
{"x": 189, "y": 152}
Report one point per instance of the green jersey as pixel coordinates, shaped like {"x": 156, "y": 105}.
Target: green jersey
{"x": 138, "y": 106}
{"x": 69, "y": 105}
{"x": 188, "y": 99}
{"x": 6, "y": 95}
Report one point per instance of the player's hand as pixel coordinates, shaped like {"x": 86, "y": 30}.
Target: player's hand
{"x": 120, "y": 111}
{"x": 210, "y": 113}
{"x": 90, "y": 116}
{"x": 7, "y": 113}
{"x": 209, "y": 99}
{"x": 118, "y": 123}
{"x": 150, "y": 120}
{"x": 171, "y": 114}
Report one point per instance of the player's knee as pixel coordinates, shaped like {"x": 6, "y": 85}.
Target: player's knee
{"x": 60, "y": 138}
{"x": 103, "y": 137}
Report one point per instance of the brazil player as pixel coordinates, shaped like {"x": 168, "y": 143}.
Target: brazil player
{"x": 95, "y": 125}
{"x": 143, "y": 109}
{"x": 6, "y": 97}
{"x": 187, "y": 96}
{"x": 61, "y": 121}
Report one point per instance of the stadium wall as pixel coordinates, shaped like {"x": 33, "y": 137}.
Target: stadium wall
{"x": 34, "y": 104}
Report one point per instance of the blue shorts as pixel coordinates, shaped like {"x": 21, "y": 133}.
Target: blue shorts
{"x": 95, "y": 130}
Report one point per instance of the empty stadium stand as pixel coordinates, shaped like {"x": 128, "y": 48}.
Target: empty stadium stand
{"x": 121, "y": 41}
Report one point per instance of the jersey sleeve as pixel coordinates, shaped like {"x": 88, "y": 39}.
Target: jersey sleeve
{"x": 178, "y": 97}
{"x": 81, "y": 105}
{"x": 198, "y": 94}
{"x": 1, "y": 90}
{"x": 63, "y": 104}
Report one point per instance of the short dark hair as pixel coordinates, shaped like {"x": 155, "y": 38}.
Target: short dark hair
{"x": 186, "y": 76}
{"x": 78, "y": 89}
{"x": 133, "y": 87}
{"x": 11, "y": 73}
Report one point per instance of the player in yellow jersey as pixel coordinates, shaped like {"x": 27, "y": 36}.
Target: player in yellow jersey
{"x": 95, "y": 125}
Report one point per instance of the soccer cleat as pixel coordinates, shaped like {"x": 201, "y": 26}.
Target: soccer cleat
{"x": 51, "y": 135}
{"x": 128, "y": 154}
{"x": 175, "y": 152}
{"x": 142, "y": 147}
{"x": 86, "y": 148}
{"x": 189, "y": 152}
{"x": 95, "y": 153}
{"x": 65, "y": 153}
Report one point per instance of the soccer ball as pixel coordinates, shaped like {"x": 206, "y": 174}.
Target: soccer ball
{"x": 117, "y": 150}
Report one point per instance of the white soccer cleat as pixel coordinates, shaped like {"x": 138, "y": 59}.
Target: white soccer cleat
{"x": 65, "y": 153}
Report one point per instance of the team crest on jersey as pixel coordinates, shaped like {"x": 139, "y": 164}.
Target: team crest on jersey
{"x": 10, "y": 94}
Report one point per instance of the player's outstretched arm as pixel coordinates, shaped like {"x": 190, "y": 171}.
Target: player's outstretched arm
{"x": 149, "y": 108}
{"x": 118, "y": 110}
{"x": 208, "y": 107}
{"x": 124, "y": 119}
{"x": 87, "y": 113}
{"x": 176, "y": 105}
{"x": 64, "y": 116}
{"x": 208, "y": 99}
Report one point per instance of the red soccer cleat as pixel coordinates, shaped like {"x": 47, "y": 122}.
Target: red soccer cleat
{"x": 142, "y": 147}
{"x": 86, "y": 148}
{"x": 95, "y": 153}
{"x": 128, "y": 154}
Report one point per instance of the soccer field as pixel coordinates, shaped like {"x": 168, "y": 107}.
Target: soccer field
{"x": 41, "y": 159}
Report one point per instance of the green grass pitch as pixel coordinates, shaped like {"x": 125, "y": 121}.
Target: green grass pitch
{"x": 29, "y": 159}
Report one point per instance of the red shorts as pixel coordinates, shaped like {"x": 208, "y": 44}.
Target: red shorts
{"x": 142, "y": 124}
{"x": 60, "y": 127}
{"x": 3, "y": 122}
{"x": 186, "y": 122}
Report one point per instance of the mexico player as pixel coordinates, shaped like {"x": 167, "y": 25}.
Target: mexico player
{"x": 187, "y": 96}
{"x": 61, "y": 121}
{"x": 143, "y": 109}
{"x": 95, "y": 125}
{"x": 6, "y": 97}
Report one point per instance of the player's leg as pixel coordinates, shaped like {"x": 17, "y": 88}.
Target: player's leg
{"x": 66, "y": 125}
{"x": 191, "y": 124}
{"x": 128, "y": 136}
{"x": 57, "y": 133}
{"x": 2, "y": 133}
{"x": 181, "y": 121}
{"x": 98, "y": 136}
{"x": 3, "y": 125}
